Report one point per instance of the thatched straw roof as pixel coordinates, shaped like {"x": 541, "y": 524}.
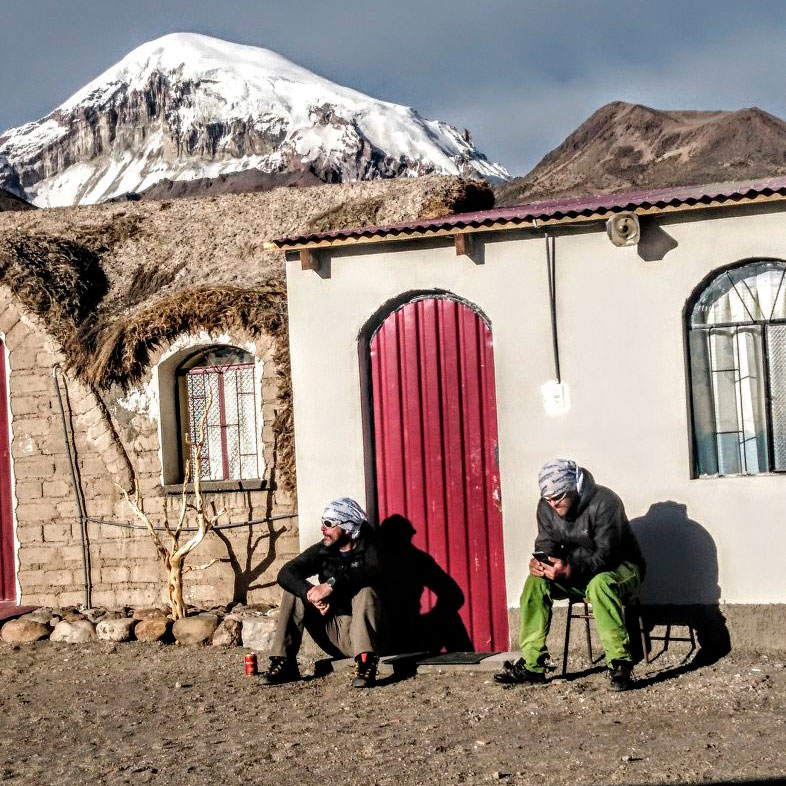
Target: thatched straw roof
{"x": 113, "y": 282}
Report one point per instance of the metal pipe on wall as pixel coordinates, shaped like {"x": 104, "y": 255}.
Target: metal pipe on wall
{"x": 68, "y": 436}
{"x": 551, "y": 267}
{"x": 228, "y": 525}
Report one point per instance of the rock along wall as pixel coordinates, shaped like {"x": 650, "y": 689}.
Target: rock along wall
{"x": 110, "y": 438}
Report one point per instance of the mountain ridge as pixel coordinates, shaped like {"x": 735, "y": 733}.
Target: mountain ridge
{"x": 624, "y": 147}
{"x": 188, "y": 106}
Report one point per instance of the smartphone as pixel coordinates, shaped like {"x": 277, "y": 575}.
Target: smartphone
{"x": 541, "y": 556}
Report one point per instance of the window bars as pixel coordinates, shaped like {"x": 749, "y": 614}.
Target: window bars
{"x": 229, "y": 449}
{"x": 737, "y": 346}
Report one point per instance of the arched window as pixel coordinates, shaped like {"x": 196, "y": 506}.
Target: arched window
{"x": 216, "y": 385}
{"x": 737, "y": 344}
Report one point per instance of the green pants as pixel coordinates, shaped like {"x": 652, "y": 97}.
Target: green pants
{"x": 607, "y": 592}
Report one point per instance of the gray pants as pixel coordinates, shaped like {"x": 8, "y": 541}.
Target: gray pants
{"x": 339, "y": 635}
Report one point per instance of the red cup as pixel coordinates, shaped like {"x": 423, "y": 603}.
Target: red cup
{"x": 250, "y": 664}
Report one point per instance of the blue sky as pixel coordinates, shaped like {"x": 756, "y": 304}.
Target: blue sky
{"x": 520, "y": 75}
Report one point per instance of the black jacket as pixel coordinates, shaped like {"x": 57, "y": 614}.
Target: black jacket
{"x": 595, "y": 536}
{"x": 352, "y": 570}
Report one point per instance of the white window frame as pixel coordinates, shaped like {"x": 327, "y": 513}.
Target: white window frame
{"x": 165, "y": 406}
{"x": 736, "y": 380}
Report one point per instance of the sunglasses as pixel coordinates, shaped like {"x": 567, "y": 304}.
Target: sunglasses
{"x": 557, "y": 498}
{"x": 330, "y": 523}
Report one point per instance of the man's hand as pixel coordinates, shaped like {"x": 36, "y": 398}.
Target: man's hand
{"x": 536, "y": 568}
{"x": 322, "y": 606}
{"x": 556, "y": 571}
{"x": 317, "y": 597}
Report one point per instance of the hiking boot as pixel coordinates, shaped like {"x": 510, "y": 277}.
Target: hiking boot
{"x": 280, "y": 670}
{"x": 621, "y": 675}
{"x": 516, "y": 673}
{"x": 365, "y": 670}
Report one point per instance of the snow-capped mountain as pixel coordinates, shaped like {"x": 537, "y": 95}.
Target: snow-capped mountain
{"x": 189, "y": 106}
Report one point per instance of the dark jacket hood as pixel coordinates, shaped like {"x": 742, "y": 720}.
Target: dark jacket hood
{"x": 588, "y": 490}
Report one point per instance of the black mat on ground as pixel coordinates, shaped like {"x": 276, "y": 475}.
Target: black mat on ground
{"x": 456, "y": 658}
{"x": 404, "y": 656}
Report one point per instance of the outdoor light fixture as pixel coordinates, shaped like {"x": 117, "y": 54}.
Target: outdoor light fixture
{"x": 623, "y": 229}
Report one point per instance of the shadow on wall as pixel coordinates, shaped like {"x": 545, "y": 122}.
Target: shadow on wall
{"x": 407, "y": 573}
{"x": 681, "y": 584}
{"x": 248, "y": 565}
{"x": 655, "y": 242}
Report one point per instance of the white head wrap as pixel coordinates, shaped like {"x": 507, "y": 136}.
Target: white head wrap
{"x": 559, "y": 477}
{"x": 349, "y": 515}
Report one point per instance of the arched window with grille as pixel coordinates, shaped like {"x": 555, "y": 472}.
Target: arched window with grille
{"x": 217, "y": 384}
{"x": 737, "y": 345}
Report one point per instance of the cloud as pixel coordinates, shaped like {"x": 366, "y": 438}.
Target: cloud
{"x": 518, "y": 124}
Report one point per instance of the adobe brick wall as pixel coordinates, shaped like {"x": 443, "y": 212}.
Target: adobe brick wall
{"x": 125, "y": 570}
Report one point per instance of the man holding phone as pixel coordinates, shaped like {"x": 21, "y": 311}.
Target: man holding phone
{"x": 585, "y": 548}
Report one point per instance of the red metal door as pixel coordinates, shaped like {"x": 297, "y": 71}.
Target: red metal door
{"x": 435, "y": 436}
{"x": 7, "y": 557}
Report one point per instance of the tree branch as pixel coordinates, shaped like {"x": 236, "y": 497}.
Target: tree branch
{"x": 201, "y": 567}
{"x": 136, "y": 509}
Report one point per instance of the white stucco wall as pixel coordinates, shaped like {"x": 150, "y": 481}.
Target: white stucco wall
{"x": 622, "y": 354}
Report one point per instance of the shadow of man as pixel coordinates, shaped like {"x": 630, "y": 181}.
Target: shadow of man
{"x": 681, "y": 585}
{"x": 407, "y": 573}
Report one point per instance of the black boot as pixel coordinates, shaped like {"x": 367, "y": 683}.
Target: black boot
{"x": 365, "y": 670}
{"x": 516, "y": 673}
{"x": 280, "y": 670}
{"x": 621, "y": 675}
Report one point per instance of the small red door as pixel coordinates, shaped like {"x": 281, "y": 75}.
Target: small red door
{"x": 435, "y": 441}
{"x": 7, "y": 556}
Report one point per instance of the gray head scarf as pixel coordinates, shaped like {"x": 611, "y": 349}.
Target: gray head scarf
{"x": 559, "y": 477}
{"x": 349, "y": 515}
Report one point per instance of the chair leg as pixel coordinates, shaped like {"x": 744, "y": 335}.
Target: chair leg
{"x": 567, "y": 638}
{"x": 587, "y": 632}
{"x": 646, "y": 645}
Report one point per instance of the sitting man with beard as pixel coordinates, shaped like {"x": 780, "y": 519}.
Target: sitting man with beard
{"x": 343, "y": 612}
{"x": 585, "y": 548}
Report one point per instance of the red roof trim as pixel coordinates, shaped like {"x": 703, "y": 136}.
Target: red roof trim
{"x": 571, "y": 207}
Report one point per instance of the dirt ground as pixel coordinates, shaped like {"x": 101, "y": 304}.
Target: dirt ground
{"x": 141, "y": 713}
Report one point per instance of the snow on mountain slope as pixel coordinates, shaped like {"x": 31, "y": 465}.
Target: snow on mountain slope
{"x": 188, "y": 106}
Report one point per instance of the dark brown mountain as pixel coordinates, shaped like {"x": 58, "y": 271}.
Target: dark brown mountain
{"x": 628, "y": 146}
{"x": 9, "y": 201}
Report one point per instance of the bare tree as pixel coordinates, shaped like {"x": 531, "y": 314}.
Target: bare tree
{"x": 193, "y": 519}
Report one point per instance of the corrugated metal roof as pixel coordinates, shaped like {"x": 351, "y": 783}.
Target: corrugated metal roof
{"x": 552, "y": 210}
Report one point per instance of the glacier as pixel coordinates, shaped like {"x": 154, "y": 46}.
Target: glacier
{"x": 188, "y": 106}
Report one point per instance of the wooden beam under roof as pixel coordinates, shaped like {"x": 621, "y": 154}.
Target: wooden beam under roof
{"x": 309, "y": 259}
{"x": 465, "y": 244}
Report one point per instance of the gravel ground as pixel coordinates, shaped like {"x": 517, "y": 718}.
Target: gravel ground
{"x": 140, "y": 713}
